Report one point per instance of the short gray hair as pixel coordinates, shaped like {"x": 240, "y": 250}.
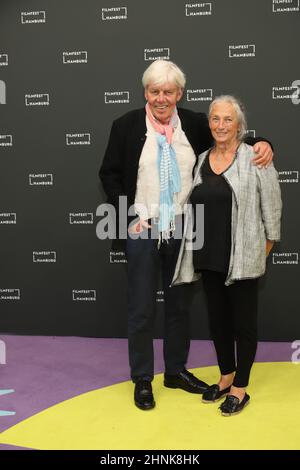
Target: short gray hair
{"x": 163, "y": 71}
{"x": 239, "y": 109}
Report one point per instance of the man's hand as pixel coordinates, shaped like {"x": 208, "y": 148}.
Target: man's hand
{"x": 264, "y": 154}
{"x": 139, "y": 226}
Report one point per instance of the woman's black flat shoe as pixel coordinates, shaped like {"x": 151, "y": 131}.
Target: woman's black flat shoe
{"x": 214, "y": 394}
{"x": 232, "y": 405}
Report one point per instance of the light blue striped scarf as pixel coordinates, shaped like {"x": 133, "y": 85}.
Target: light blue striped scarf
{"x": 170, "y": 184}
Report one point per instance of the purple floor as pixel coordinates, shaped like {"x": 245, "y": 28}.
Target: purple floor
{"x": 44, "y": 371}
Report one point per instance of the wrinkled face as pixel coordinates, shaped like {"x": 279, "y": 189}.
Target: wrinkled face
{"x": 223, "y": 123}
{"x": 162, "y": 100}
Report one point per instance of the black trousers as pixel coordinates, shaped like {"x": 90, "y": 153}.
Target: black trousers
{"x": 233, "y": 322}
{"x": 145, "y": 263}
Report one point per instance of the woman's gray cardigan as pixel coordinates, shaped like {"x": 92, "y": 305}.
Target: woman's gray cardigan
{"x": 256, "y": 214}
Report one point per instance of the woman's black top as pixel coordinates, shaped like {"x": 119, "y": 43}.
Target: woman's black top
{"x": 216, "y": 195}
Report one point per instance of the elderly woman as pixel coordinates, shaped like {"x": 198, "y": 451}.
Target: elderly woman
{"x": 149, "y": 160}
{"x": 242, "y": 211}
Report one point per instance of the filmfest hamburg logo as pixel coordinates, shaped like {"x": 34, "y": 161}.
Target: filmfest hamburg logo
{"x": 241, "y": 50}
{"x": 86, "y": 295}
{"x": 162, "y": 53}
{"x": 75, "y": 57}
{"x": 251, "y": 132}
{"x": 117, "y": 257}
{"x": 81, "y": 218}
{"x": 37, "y": 99}
{"x": 33, "y": 17}
{"x": 10, "y": 294}
{"x": 6, "y": 140}
{"x": 198, "y": 9}
{"x": 44, "y": 256}
{"x": 8, "y": 218}
{"x": 116, "y": 13}
{"x": 3, "y": 59}
{"x": 288, "y": 176}
{"x": 285, "y": 258}
{"x": 201, "y": 94}
{"x": 41, "y": 179}
{"x": 160, "y": 296}
{"x": 116, "y": 97}
{"x": 78, "y": 139}
{"x": 283, "y": 6}
{"x": 287, "y": 92}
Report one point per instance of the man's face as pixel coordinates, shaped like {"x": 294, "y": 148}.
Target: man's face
{"x": 162, "y": 100}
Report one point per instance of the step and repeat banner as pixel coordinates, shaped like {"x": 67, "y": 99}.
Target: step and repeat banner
{"x": 68, "y": 68}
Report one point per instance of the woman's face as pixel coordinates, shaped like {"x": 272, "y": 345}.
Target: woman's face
{"x": 162, "y": 100}
{"x": 223, "y": 123}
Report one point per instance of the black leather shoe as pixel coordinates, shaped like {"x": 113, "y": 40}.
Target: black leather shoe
{"x": 214, "y": 394}
{"x": 186, "y": 381}
{"x": 232, "y": 405}
{"x": 143, "y": 396}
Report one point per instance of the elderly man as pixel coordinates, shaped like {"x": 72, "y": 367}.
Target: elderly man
{"x": 149, "y": 159}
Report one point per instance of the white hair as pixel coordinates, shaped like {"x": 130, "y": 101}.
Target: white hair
{"x": 239, "y": 109}
{"x": 163, "y": 71}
